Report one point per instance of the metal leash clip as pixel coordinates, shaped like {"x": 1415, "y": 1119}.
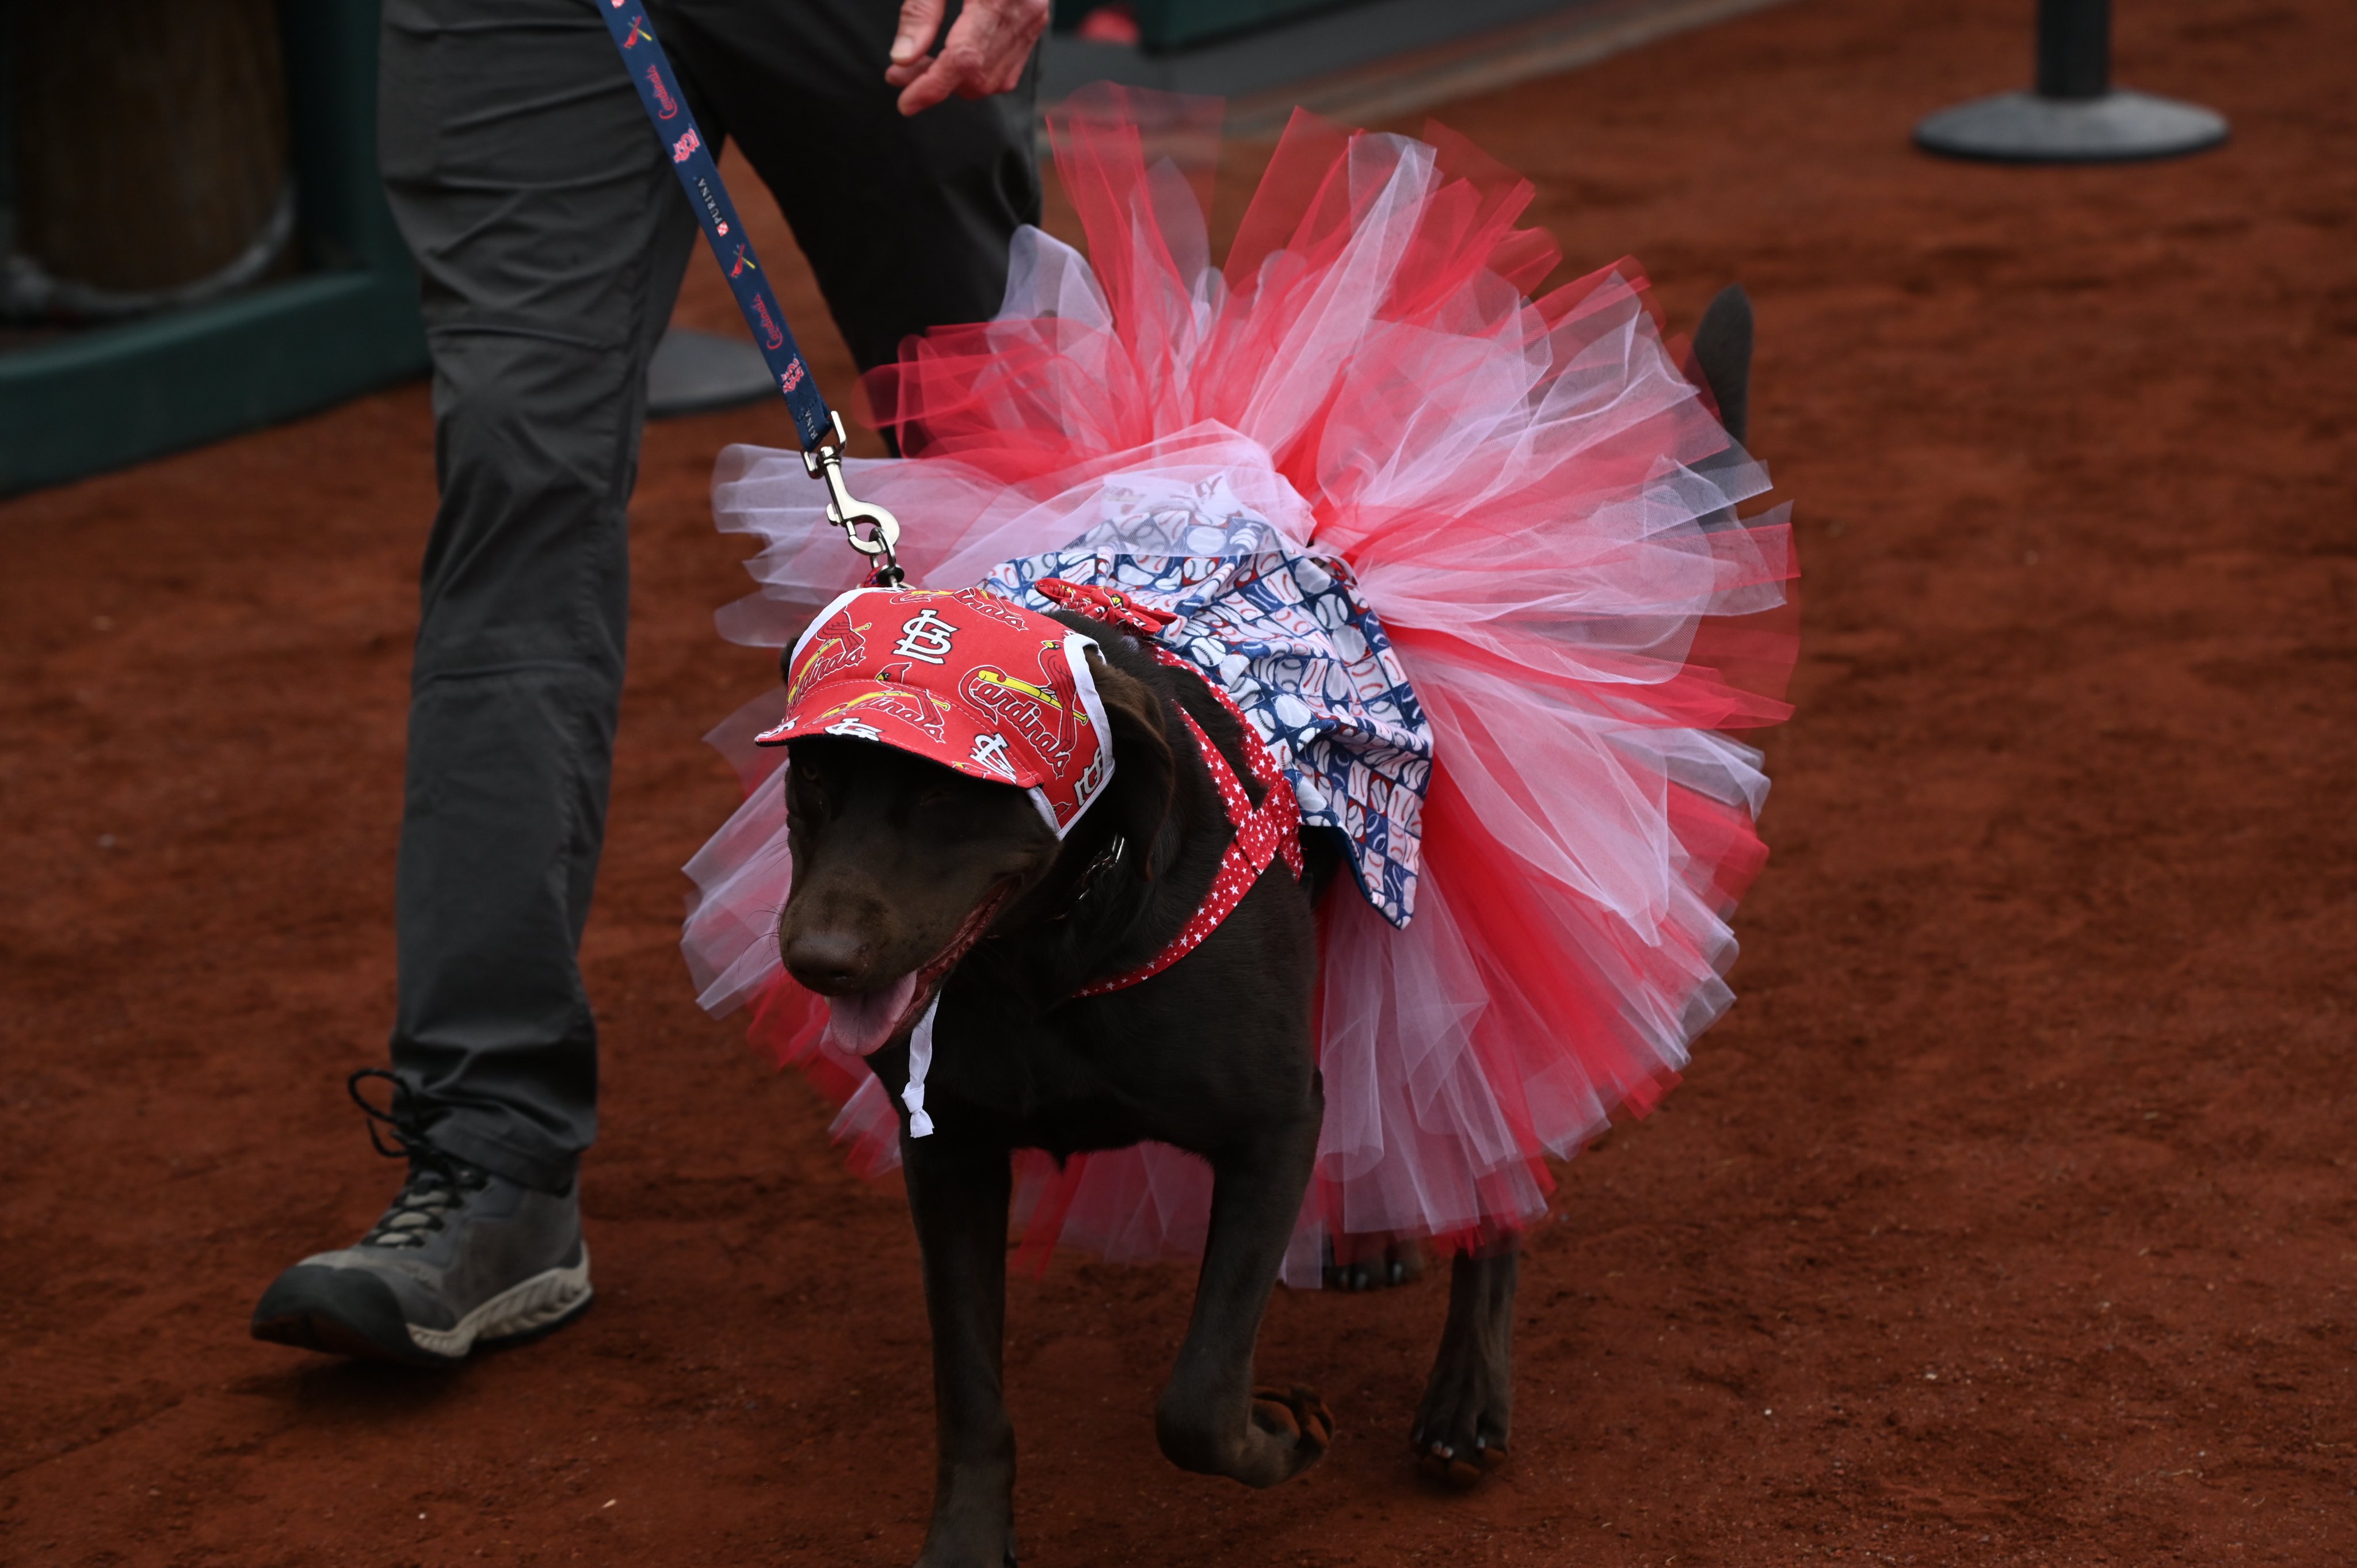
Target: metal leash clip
{"x": 883, "y": 529}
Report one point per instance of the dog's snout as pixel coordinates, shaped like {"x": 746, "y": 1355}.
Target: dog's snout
{"x": 829, "y": 961}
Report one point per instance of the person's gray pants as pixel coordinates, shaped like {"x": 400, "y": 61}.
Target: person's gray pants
{"x": 551, "y": 234}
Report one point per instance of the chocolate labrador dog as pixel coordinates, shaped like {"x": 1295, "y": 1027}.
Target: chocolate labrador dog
{"x": 912, "y": 881}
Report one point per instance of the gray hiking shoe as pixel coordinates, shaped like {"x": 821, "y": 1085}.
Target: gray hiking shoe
{"x": 462, "y": 1259}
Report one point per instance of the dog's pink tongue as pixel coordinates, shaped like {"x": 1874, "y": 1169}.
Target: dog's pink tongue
{"x": 860, "y": 1023}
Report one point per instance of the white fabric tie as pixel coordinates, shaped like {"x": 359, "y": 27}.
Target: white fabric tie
{"x": 920, "y": 1057}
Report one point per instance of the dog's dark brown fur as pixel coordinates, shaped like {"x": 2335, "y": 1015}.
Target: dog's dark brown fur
{"x": 902, "y": 866}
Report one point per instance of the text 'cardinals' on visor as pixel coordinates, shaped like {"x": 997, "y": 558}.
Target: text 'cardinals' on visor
{"x": 965, "y": 679}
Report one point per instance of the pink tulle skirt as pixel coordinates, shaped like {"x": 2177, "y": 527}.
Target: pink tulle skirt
{"x": 1538, "y": 504}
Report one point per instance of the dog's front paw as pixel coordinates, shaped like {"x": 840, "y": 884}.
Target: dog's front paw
{"x": 1297, "y": 1415}
{"x": 1291, "y": 1430}
{"x": 1283, "y": 1432}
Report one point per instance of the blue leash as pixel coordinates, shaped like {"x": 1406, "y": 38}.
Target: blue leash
{"x": 819, "y": 427}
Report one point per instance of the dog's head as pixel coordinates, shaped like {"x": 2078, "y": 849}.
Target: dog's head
{"x": 903, "y": 862}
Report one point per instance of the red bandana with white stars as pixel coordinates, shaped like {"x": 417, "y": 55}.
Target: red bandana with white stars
{"x": 964, "y": 679}
{"x": 1262, "y": 832}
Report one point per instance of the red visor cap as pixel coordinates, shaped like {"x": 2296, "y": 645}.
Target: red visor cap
{"x": 966, "y": 679}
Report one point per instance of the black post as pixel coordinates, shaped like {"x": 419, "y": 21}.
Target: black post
{"x": 2074, "y": 48}
{"x": 2076, "y": 115}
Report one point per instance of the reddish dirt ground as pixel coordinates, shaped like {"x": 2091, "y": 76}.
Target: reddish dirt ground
{"x": 2007, "y": 1219}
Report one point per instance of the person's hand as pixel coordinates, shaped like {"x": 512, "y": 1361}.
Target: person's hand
{"x": 983, "y": 53}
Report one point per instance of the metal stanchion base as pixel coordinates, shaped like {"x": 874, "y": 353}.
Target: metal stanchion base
{"x": 2022, "y": 127}
{"x": 696, "y": 372}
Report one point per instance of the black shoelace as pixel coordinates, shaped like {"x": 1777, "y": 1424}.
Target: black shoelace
{"x": 438, "y": 1182}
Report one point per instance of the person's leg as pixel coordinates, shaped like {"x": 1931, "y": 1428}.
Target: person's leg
{"x": 906, "y": 221}
{"x": 550, "y": 238}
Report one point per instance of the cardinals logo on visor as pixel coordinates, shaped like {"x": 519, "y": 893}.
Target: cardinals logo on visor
{"x": 965, "y": 679}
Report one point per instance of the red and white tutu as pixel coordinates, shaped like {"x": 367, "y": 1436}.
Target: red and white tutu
{"x": 1537, "y": 503}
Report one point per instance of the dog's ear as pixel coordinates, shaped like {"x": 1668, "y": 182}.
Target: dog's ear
{"x": 1143, "y": 775}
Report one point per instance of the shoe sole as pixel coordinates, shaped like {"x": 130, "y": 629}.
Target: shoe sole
{"x": 346, "y": 1312}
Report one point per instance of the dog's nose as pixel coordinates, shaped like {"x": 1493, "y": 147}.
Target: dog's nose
{"x": 831, "y": 962}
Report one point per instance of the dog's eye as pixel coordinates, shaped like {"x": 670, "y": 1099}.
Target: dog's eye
{"x": 947, "y": 801}
{"x": 945, "y": 811}
{"x": 805, "y": 784}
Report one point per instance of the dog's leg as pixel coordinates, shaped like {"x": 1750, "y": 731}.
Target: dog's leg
{"x": 958, "y": 1193}
{"x": 1210, "y": 1418}
{"x": 1469, "y": 1404}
